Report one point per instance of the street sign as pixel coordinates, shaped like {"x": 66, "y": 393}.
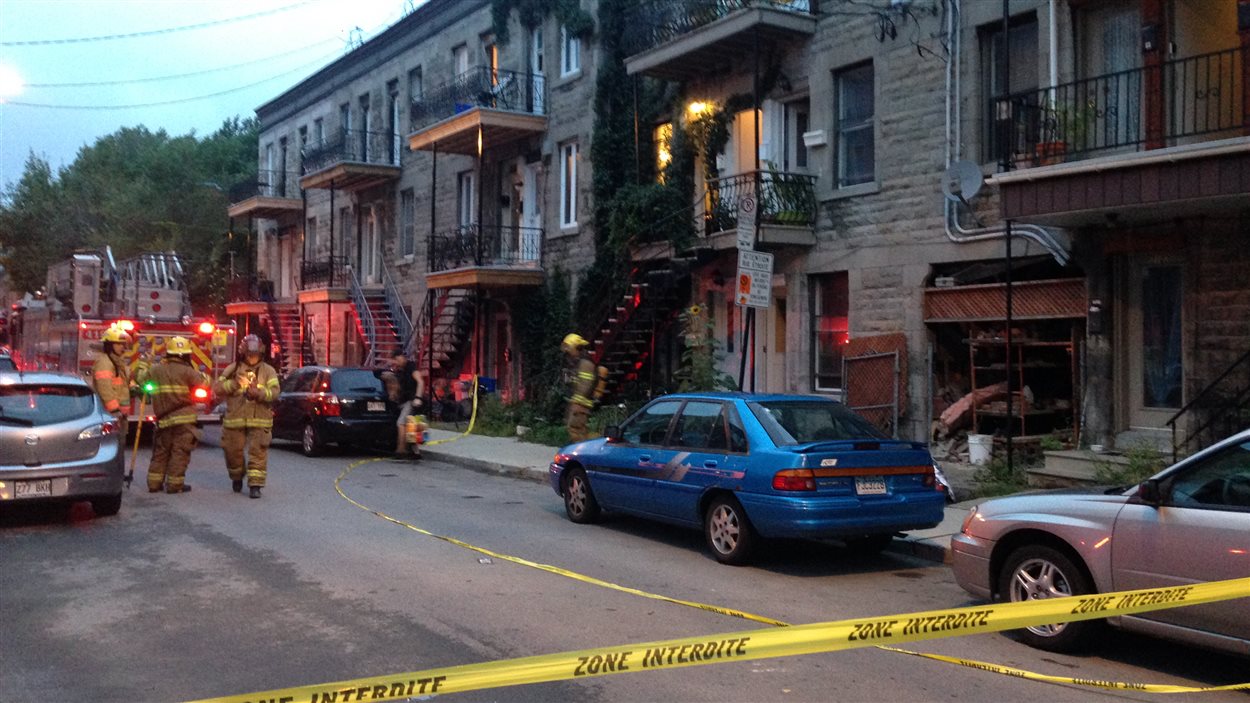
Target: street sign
{"x": 746, "y": 223}
{"x": 755, "y": 279}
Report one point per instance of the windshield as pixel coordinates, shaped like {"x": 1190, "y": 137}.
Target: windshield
{"x": 355, "y": 381}
{"x": 44, "y": 405}
{"x": 791, "y": 422}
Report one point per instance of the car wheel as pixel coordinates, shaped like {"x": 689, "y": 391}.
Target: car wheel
{"x": 728, "y": 531}
{"x": 310, "y": 441}
{"x": 579, "y": 500}
{"x": 107, "y": 506}
{"x": 1036, "y": 572}
{"x": 868, "y": 544}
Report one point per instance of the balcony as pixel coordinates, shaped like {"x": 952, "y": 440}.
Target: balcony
{"x": 329, "y": 272}
{"x": 786, "y": 203}
{"x": 684, "y": 39}
{"x": 1183, "y": 101}
{"x": 352, "y": 161}
{"x": 1163, "y": 141}
{"x": 270, "y": 195}
{"x": 504, "y": 105}
{"x": 248, "y": 295}
{"x": 486, "y": 255}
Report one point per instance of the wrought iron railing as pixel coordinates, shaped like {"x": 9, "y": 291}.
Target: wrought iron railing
{"x": 480, "y": 87}
{"x": 657, "y": 21}
{"x": 781, "y": 198}
{"x": 399, "y": 313}
{"x": 354, "y": 146}
{"x": 329, "y": 272}
{"x": 268, "y": 184}
{"x": 364, "y": 317}
{"x": 485, "y": 245}
{"x": 1149, "y": 107}
{"x": 241, "y": 289}
{"x": 1217, "y": 411}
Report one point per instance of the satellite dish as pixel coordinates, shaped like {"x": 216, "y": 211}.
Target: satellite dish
{"x": 962, "y": 182}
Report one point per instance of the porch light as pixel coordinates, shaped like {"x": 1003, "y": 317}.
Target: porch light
{"x": 698, "y": 107}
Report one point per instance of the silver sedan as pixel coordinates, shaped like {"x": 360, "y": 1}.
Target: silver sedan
{"x": 1188, "y": 524}
{"x": 57, "y": 443}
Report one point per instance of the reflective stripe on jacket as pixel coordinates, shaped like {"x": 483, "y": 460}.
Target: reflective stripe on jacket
{"x": 110, "y": 377}
{"x": 241, "y": 411}
{"x": 174, "y": 382}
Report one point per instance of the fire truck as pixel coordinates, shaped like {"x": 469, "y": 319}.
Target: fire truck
{"x": 87, "y": 293}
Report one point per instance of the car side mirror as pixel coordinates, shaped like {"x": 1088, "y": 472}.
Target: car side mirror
{"x": 1149, "y": 492}
{"x": 613, "y": 433}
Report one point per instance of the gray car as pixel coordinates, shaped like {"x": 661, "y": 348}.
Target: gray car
{"x": 1188, "y": 524}
{"x": 57, "y": 443}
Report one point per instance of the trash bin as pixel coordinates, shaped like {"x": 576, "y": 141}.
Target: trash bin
{"x": 980, "y": 447}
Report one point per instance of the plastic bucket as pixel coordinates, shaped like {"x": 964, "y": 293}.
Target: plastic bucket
{"x": 980, "y": 446}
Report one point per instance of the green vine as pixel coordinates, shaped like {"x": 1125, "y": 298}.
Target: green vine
{"x": 532, "y": 12}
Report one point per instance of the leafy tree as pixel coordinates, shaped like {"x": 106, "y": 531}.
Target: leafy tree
{"x": 29, "y": 235}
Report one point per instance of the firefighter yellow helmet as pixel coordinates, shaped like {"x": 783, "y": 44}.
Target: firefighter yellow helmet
{"x": 573, "y": 341}
{"x": 178, "y": 346}
{"x": 116, "y": 334}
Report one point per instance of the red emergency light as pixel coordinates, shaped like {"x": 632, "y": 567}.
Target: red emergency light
{"x": 200, "y": 393}
{"x": 206, "y": 328}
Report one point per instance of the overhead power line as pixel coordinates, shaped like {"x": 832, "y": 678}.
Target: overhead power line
{"x": 154, "y": 32}
{"x": 153, "y": 79}
{"x": 235, "y": 89}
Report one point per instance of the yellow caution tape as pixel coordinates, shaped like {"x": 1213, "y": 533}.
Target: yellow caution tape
{"x": 467, "y": 430}
{"x": 753, "y": 644}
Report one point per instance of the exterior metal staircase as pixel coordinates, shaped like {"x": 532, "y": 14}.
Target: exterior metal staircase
{"x": 638, "y": 312}
{"x": 283, "y": 323}
{"x": 1217, "y": 411}
{"x": 441, "y": 331}
{"x": 375, "y": 322}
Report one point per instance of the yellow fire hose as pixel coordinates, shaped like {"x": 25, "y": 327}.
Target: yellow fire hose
{"x": 130, "y": 475}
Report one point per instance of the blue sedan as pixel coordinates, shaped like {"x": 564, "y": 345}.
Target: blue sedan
{"x": 748, "y": 466}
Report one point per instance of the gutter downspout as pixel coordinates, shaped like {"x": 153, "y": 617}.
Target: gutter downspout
{"x": 956, "y": 232}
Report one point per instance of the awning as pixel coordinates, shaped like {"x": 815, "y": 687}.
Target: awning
{"x": 1030, "y": 300}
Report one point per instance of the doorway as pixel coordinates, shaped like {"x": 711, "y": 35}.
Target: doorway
{"x": 1153, "y": 353}
{"x": 369, "y": 255}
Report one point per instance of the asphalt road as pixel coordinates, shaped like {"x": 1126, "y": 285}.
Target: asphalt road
{"x": 207, "y": 594}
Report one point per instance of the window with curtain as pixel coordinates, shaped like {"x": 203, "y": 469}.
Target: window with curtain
{"x": 830, "y": 329}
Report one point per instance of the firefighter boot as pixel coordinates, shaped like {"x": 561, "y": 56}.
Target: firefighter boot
{"x": 237, "y": 485}
{"x": 254, "y": 492}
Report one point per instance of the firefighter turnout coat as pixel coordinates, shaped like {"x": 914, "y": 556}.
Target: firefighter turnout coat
{"x": 110, "y": 376}
{"x": 248, "y": 423}
{"x": 173, "y": 385}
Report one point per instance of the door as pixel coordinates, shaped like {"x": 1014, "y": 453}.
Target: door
{"x": 1200, "y": 533}
{"x": 703, "y": 458}
{"x": 289, "y": 410}
{"x": 536, "y": 68}
{"x": 772, "y": 347}
{"x": 623, "y": 477}
{"x": 531, "y": 213}
{"x": 1110, "y": 38}
{"x": 741, "y": 149}
{"x": 1155, "y": 342}
{"x": 286, "y": 266}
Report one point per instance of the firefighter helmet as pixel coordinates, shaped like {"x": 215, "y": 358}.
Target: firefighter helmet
{"x": 253, "y": 345}
{"x": 178, "y": 346}
{"x": 573, "y": 342}
{"x": 116, "y": 334}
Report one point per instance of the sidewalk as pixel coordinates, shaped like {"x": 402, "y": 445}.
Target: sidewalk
{"x": 510, "y": 457}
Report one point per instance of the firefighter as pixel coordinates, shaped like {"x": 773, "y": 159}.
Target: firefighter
{"x": 587, "y": 387}
{"x": 250, "y": 387}
{"x": 172, "y": 383}
{"x": 110, "y": 376}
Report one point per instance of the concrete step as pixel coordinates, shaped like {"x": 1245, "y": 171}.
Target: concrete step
{"x": 1072, "y": 467}
{"x": 1159, "y": 440}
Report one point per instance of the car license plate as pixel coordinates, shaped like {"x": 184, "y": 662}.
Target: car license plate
{"x": 869, "y": 485}
{"x": 376, "y": 406}
{"x": 32, "y": 489}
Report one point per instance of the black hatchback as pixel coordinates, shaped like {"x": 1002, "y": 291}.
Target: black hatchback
{"x": 323, "y": 404}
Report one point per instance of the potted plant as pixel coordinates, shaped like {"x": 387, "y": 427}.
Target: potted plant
{"x": 1066, "y": 129}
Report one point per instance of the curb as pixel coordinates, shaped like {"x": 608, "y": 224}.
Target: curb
{"x": 928, "y": 549}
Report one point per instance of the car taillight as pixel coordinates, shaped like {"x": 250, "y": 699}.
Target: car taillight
{"x": 930, "y": 479}
{"x": 794, "y": 480}
{"x": 330, "y": 406}
{"x": 97, "y": 431}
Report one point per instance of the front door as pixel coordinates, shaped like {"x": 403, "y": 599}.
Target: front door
{"x": 1155, "y": 343}
{"x": 531, "y": 213}
{"x": 369, "y": 255}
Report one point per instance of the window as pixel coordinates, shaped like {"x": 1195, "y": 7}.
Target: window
{"x": 1010, "y": 125}
{"x": 1221, "y": 480}
{"x": 362, "y": 149}
{"x": 570, "y": 52}
{"x": 651, "y": 425}
{"x": 794, "y": 151}
{"x": 853, "y": 91}
{"x": 663, "y": 139}
{"x": 491, "y": 52}
{"x": 29, "y": 406}
{"x": 392, "y": 99}
{"x": 408, "y": 223}
{"x": 280, "y": 176}
{"x": 415, "y": 91}
{"x": 345, "y": 118}
{"x": 701, "y": 426}
{"x": 465, "y": 202}
{"x": 460, "y": 59}
{"x": 790, "y": 422}
{"x": 568, "y": 185}
{"x": 268, "y": 178}
{"x": 303, "y": 136}
{"x": 319, "y": 130}
{"x": 345, "y": 228}
{"x": 830, "y": 307}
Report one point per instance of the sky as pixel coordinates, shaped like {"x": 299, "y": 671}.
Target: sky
{"x": 250, "y": 52}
